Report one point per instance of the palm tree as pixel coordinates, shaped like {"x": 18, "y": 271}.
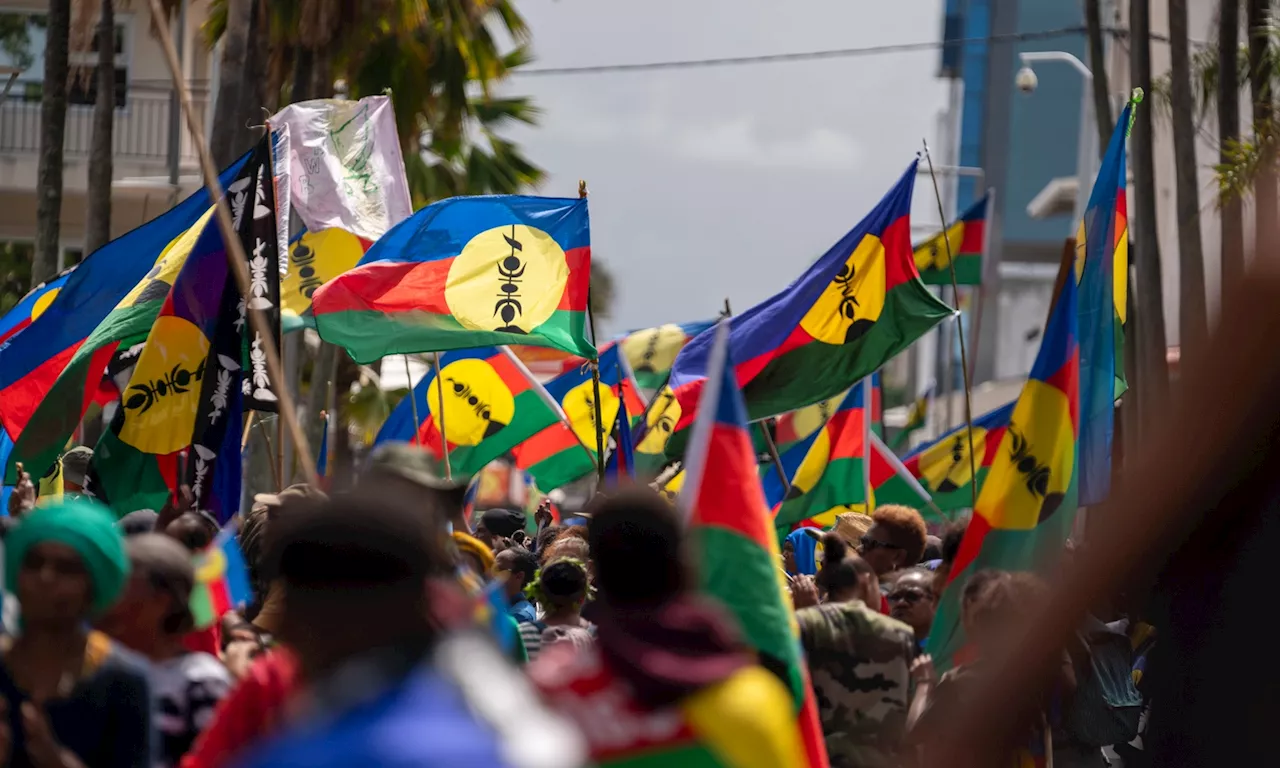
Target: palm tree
{"x": 1193, "y": 319}
{"x": 1098, "y": 63}
{"x": 53, "y": 128}
{"x": 1258, "y": 18}
{"x": 1145, "y": 256}
{"x": 1229, "y": 134}
{"x": 98, "y": 224}
{"x": 230, "y": 130}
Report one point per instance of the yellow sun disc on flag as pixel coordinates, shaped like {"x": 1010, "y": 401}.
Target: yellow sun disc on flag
{"x": 163, "y": 394}
{"x": 314, "y": 260}
{"x": 805, "y": 421}
{"x": 814, "y": 464}
{"x": 477, "y": 402}
{"x": 660, "y": 422}
{"x": 167, "y": 266}
{"x": 851, "y": 304}
{"x": 1030, "y": 477}
{"x": 42, "y": 303}
{"x": 655, "y": 349}
{"x": 945, "y": 467}
{"x": 580, "y": 408}
{"x": 508, "y": 279}
{"x": 211, "y": 566}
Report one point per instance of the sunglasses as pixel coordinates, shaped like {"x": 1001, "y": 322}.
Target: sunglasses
{"x": 908, "y": 596}
{"x": 868, "y": 544}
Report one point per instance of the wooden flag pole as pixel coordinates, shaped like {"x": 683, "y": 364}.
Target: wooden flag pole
{"x": 595, "y": 371}
{"x": 248, "y": 427}
{"x": 444, "y": 441}
{"x": 955, "y": 296}
{"x": 234, "y": 249}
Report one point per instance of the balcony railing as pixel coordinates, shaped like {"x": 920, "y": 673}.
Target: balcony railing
{"x": 141, "y": 132}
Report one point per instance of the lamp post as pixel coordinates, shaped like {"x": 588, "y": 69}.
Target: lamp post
{"x": 1086, "y": 151}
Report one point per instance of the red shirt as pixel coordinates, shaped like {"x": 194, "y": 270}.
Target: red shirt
{"x": 207, "y": 640}
{"x": 251, "y": 712}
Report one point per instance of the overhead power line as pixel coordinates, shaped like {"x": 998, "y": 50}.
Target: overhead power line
{"x": 838, "y": 53}
{"x": 775, "y": 58}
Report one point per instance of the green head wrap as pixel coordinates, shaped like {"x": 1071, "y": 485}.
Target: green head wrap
{"x": 85, "y": 526}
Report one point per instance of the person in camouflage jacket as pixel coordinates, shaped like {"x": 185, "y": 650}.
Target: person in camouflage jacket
{"x": 859, "y": 660}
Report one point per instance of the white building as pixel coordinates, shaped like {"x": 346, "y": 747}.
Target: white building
{"x": 142, "y": 160}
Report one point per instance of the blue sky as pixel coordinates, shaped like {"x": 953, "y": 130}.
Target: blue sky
{"x": 726, "y": 182}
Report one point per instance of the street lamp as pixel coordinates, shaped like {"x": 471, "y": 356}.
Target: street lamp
{"x": 1027, "y": 81}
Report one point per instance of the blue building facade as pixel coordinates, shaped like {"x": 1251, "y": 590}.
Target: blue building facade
{"x": 1022, "y": 142}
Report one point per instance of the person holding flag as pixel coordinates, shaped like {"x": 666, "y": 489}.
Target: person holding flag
{"x": 669, "y": 676}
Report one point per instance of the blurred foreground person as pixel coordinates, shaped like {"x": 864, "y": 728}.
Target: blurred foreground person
{"x": 668, "y": 681}
{"x": 859, "y": 662}
{"x": 71, "y": 697}
{"x": 151, "y": 618}
{"x": 386, "y": 686}
{"x": 991, "y": 604}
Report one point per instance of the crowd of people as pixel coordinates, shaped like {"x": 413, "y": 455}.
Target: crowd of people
{"x": 363, "y": 646}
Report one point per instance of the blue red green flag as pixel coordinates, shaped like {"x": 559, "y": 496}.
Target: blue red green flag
{"x": 103, "y": 298}
{"x": 490, "y": 406}
{"x": 136, "y": 461}
{"x": 1102, "y": 268}
{"x": 943, "y": 466}
{"x": 860, "y": 304}
{"x": 964, "y": 240}
{"x": 463, "y": 273}
{"x": 1028, "y": 502}
{"x": 652, "y": 351}
{"x": 31, "y": 306}
{"x": 731, "y": 531}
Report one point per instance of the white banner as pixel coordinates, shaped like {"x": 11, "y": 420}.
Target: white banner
{"x": 345, "y": 165}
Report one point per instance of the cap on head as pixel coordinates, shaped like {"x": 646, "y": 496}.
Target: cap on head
{"x": 503, "y": 522}
{"x": 138, "y": 521}
{"x": 412, "y": 463}
{"x": 167, "y": 563}
{"x": 298, "y": 492}
{"x": 75, "y": 464}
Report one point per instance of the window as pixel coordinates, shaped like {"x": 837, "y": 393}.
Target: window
{"x": 22, "y": 44}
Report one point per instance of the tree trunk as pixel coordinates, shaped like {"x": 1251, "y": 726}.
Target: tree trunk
{"x": 1192, "y": 318}
{"x": 53, "y": 129}
{"x": 97, "y": 230}
{"x": 266, "y": 93}
{"x": 1148, "y": 322}
{"x": 1229, "y": 132}
{"x": 1265, "y": 194}
{"x": 1098, "y": 63}
{"x": 230, "y": 137}
{"x": 303, "y": 74}
{"x": 322, "y": 73}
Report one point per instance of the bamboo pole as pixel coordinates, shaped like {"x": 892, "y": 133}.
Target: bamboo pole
{"x": 234, "y": 249}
